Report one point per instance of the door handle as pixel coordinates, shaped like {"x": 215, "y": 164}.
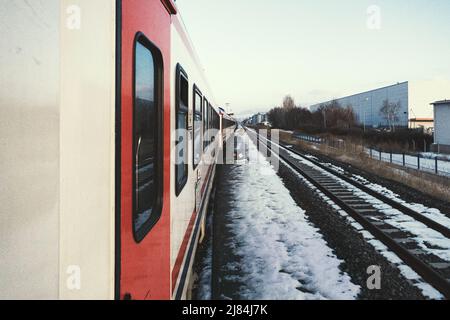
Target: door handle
{"x": 136, "y": 167}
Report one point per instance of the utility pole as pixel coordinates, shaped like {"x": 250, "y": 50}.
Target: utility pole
{"x": 364, "y": 115}
{"x": 371, "y": 109}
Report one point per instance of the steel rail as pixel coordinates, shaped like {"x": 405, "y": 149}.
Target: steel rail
{"x": 394, "y": 204}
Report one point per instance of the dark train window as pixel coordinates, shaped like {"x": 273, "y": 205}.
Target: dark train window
{"x": 210, "y": 124}
{"x": 147, "y": 137}
{"x": 205, "y": 124}
{"x": 181, "y": 144}
{"x": 197, "y": 141}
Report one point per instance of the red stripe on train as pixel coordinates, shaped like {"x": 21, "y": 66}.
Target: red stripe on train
{"x": 187, "y": 237}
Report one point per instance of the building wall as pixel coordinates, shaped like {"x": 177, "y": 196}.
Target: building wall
{"x": 441, "y": 124}
{"x": 367, "y": 105}
{"x": 258, "y": 118}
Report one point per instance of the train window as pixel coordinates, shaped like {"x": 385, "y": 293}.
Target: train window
{"x": 216, "y": 122}
{"x": 197, "y": 141}
{"x": 147, "y": 137}
{"x": 181, "y": 144}
{"x": 210, "y": 123}
{"x": 205, "y": 124}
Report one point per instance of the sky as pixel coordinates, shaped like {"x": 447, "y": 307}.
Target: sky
{"x": 257, "y": 51}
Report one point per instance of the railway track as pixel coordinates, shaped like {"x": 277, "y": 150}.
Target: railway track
{"x": 351, "y": 196}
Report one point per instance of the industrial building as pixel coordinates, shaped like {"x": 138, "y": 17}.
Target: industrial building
{"x": 257, "y": 118}
{"x": 441, "y": 126}
{"x": 413, "y": 97}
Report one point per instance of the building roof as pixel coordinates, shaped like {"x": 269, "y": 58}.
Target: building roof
{"x": 441, "y": 102}
{"x": 361, "y": 93}
{"x": 421, "y": 120}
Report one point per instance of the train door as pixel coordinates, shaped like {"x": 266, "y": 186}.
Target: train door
{"x": 143, "y": 149}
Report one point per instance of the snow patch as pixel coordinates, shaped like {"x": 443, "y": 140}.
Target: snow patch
{"x": 283, "y": 255}
{"x": 426, "y": 289}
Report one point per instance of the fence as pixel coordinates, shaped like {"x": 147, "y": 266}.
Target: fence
{"x": 432, "y": 163}
{"x": 308, "y": 138}
{"x": 435, "y": 164}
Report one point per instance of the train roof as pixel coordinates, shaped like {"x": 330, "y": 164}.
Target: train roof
{"x": 181, "y": 28}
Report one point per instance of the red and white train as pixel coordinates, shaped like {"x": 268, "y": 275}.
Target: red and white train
{"x": 103, "y": 196}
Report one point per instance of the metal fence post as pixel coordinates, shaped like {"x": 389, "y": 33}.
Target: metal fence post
{"x": 404, "y": 160}
{"x": 380, "y": 155}
{"x": 371, "y": 153}
{"x": 391, "y": 156}
{"x": 418, "y": 161}
{"x": 257, "y": 139}
{"x": 436, "y": 165}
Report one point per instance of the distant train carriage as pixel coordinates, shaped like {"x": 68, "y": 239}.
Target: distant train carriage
{"x": 109, "y": 136}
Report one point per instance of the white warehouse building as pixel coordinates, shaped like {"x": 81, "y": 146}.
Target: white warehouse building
{"x": 441, "y": 126}
{"x": 413, "y": 96}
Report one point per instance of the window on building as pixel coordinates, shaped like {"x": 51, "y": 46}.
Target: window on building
{"x": 181, "y": 144}
{"x": 147, "y": 137}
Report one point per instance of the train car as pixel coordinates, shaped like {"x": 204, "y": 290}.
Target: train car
{"x": 109, "y": 136}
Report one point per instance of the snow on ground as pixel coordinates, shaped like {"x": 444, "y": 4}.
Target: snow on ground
{"x": 433, "y": 155}
{"x": 422, "y": 233}
{"x": 283, "y": 255}
{"x": 406, "y": 271}
{"x": 427, "y": 161}
{"x": 432, "y": 213}
{"x": 426, "y": 289}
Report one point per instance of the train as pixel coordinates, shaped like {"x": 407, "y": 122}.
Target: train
{"x": 109, "y": 137}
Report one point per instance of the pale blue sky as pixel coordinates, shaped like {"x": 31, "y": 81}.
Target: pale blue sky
{"x": 257, "y": 51}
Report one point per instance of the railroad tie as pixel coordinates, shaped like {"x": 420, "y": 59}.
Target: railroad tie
{"x": 390, "y": 230}
{"x": 440, "y": 265}
{"x": 418, "y": 252}
{"x": 363, "y": 205}
{"x": 404, "y": 240}
{"x": 366, "y": 210}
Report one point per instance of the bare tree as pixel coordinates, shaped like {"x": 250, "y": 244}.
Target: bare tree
{"x": 335, "y": 116}
{"x": 328, "y": 116}
{"x": 288, "y": 102}
{"x": 323, "y": 111}
{"x": 390, "y": 111}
